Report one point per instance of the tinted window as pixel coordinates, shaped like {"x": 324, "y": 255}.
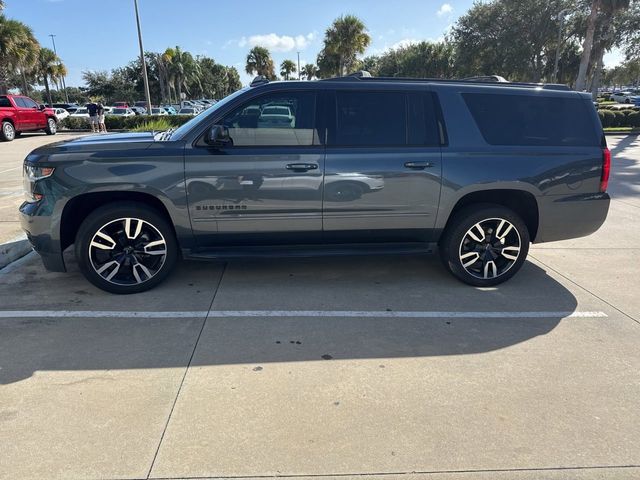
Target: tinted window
{"x": 29, "y": 103}
{"x": 532, "y": 120}
{"x": 275, "y": 119}
{"x": 371, "y": 118}
{"x": 20, "y": 102}
{"x": 5, "y": 102}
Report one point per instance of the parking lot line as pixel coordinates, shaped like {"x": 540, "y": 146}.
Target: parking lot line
{"x": 289, "y": 313}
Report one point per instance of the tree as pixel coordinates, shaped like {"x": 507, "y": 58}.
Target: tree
{"x": 309, "y": 71}
{"x": 420, "y": 60}
{"x": 287, "y": 67}
{"x": 183, "y": 70}
{"x": 511, "y": 38}
{"x": 259, "y": 61}
{"x": 606, "y": 9}
{"x": 344, "y": 40}
{"x": 49, "y": 67}
{"x": 17, "y": 45}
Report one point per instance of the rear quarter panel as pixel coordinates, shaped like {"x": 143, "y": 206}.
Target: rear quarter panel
{"x": 550, "y": 173}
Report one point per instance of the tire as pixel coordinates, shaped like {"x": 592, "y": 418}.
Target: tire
{"x": 7, "y": 132}
{"x": 484, "y": 245}
{"x": 52, "y": 126}
{"x": 126, "y": 247}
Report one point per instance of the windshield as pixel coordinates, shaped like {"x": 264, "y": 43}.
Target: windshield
{"x": 184, "y": 129}
{"x": 120, "y": 110}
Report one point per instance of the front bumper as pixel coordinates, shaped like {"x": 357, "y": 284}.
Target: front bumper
{"x": 563, "y": 217}
{"x": 43, "y": 234}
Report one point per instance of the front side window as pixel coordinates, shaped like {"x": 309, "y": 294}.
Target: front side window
{"x": 29, "y": 103}
{"x": 20, "y": 102}
{"x": 277, "y": 119}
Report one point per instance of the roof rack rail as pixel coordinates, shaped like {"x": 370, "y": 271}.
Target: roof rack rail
{"x": 495, "y": 80}
{"x": 259, "y": 80}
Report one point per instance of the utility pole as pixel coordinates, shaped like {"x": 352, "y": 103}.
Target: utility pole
{"x": 144, "y": 64}
{"x": 64, "y": 85}
{"x": 561, "y": 19}
{"x": 298, "y": 65}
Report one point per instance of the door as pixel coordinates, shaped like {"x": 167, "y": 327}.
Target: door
{"x": 24, "y": 115}
{"x": 37, "y": 118}
{"x": 383, "y": 167}
{"x": 266, "y": 186}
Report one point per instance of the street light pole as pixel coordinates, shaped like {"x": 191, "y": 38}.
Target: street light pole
{"x": 64, "y": 85}
{"x": 298, "y": 65}
{"x": 144, "y": 64}
{"x": 561, "y": 19}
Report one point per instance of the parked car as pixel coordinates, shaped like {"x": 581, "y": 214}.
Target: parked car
{"x": 69, "y": 107}
{"x": 188, "y": 111}
{"x": 120, "y": 105}
{"x": 61, "y": 114}
{"x": 121, "y": 112}
{"x": 20, "y": 114}
{"x": 138, "y": 110}
{"x": 170, "y": 109}
{"x": 158, "y": 111}
{"x": 367, "y": 165}
{"x": 81, "y": 112}
{"x": 626, "y": 97}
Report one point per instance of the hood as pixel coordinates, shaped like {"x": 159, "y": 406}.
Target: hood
{"x": 98, "y": 142}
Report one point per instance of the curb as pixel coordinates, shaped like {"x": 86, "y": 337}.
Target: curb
{"x": 627, "y": 132}
{"x": 13, "y": 250}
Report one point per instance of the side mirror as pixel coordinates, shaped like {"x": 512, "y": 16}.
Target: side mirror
{"x": 218, "y": 136}
{"x": 41, "y": 107}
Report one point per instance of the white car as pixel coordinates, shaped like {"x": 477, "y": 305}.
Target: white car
{"x": 158, "y": 111}
{"x": 82, "y": 112}
{"x": 61, "y": 114}
{"x": 188, "y": 111}
{"x": 626, "y": 97}
{"x": 121, "y": 112}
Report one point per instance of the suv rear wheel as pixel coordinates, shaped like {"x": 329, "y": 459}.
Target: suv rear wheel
{"x": 485, "y": 245}
{"x": 125, "y": 248}
{"x": 8, "y": 132}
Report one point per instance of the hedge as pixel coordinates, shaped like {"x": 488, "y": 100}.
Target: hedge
{"x": 125, "y": 123}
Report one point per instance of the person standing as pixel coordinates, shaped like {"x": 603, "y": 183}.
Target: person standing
{"x": 92, "y": 108}
{"x": 101, "y": 125}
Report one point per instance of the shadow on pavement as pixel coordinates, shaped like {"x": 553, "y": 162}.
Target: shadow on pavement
{"x": 373, "y": 284}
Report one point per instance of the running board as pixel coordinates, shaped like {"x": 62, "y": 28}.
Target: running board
{"x": 310, "y": 251}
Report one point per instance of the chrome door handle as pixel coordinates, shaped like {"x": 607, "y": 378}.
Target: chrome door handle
{"x": 418, "y": 165}
{"x": 301, "y": 167}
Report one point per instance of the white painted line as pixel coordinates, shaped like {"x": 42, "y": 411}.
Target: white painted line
{"x": 288, "y": 313}
{"x": 10, "y": 169}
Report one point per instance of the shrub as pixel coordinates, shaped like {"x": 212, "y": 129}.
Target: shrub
{"x": 157, "y": 125}
{"x": 127, "y": 123}
{"x": 619, "y": 119}
{"x": 608, "y": 118}
{"x": 75, "y": 123}
{"x": 633, "y": 119}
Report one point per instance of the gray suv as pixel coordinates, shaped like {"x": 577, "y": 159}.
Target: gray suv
{"x": 347, "y": 166}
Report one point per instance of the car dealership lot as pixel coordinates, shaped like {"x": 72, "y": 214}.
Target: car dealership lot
{"x": 323, "y": 367}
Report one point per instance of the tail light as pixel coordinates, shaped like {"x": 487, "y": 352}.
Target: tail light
{"x": 606, "y": 169}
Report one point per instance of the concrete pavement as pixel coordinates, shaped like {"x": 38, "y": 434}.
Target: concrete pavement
{"x": 245, "y": 369}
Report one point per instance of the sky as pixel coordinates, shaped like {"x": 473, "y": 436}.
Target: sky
{"x": 101, "y": 34}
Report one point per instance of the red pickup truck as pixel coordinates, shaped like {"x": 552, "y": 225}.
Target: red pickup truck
{"x": 21, "y": 114}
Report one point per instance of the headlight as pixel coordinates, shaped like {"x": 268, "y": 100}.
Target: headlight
{"x": 30, "y": 176}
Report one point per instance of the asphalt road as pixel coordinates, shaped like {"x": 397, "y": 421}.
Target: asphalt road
{"x": 382, "y": 367}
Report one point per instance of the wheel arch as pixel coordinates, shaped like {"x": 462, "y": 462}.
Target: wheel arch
{"x": 522, "y": 202}
{"x": 78, "y": 208}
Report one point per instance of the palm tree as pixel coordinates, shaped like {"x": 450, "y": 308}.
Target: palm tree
{"x": 344, "y": 40}
{"x": 49, "y": 67}
{"x": 287, "y": 67}
{"x": 259, "y": 61}
{"x": 605, "y": 9}
{"x": 309, "y": 71}
{"x": 17, "y": 45}
{"x": 183, "y": 70}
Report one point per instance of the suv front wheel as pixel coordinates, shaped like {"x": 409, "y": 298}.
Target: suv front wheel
{"x": 485, "y": 245}
{"x": 125, "y": 248}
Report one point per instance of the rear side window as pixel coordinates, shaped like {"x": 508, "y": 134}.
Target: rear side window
{"x": 5, "y": 102}
{"x": 385, "y": 119}
{"x": 371, "y": 118}
{"x": 532, "y": 120}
